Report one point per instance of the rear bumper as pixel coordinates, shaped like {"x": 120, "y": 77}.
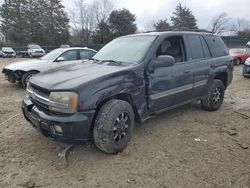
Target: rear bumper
{"x": 76, "y": 127}
{"x": 9, "y": 55}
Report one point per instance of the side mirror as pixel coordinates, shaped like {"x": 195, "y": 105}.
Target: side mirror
{"x": 60, "y": 59}
{"x": 164, "y": 61}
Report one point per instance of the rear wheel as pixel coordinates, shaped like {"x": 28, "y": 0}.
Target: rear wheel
{"x": 237, "y": 61}
{"x": 215, "y": 96}
{"x": 26, "y": 77}
{"x": 114, "y": 126}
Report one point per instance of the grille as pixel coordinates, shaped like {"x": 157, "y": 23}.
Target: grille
{"x": 41, "y": 92}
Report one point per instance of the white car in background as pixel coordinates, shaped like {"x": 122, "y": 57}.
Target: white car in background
{"x": 7, "y": 52}
{"x": 248, "y": 44}
{"x": 35, "y": 50}
{"x": 23, "y": 71}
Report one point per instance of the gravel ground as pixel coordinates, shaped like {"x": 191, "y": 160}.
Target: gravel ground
{"x": 185, "y": 147}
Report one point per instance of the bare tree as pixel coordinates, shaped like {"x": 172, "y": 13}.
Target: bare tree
{"x": 241, "y": 25}
{"x": 149, "y": 26}
{"x": 102, "y": 10}
{"x": 220, "y": 24}
{"x": 82, "y": 20}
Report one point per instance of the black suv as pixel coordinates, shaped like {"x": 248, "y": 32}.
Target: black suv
{"x": 130, "y": 79}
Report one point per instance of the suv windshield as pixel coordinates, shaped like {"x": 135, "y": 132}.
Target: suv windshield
{"x": 51, "y": 56}
{"x": 34, "y": 47}
{"x": 125, "y": 49}
{"x": 237, "y": 51}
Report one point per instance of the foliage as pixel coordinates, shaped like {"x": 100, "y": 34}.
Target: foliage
{"x": 162, "y": 25}
{"x": 38, "y": 21}
{"x": 121, "y": 22}
{"x": 102, "y": 34}
{"x": 183, "y": 18}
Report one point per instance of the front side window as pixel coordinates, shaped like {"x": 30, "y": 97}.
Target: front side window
{"x": 173, "y": 46}
{"x": 130, "y": 49}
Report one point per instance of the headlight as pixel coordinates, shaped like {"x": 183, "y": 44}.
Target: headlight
{"x": 247, "y": 62}
{"x": 64, "y": 102}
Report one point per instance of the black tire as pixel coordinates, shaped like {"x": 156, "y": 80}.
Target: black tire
{"x": 215, "y": 96}
{"x": 114, "y": 126}
{"x": 237, "y": 61}
{"x": 26, "y": 77}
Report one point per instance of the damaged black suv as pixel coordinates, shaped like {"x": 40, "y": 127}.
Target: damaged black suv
{"x": 130, "y": 79}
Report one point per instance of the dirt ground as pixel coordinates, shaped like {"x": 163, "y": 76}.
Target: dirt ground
{"x": 185, "y": 147}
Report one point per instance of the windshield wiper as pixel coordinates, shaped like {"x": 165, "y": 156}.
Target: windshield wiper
{"x": 112, "y": 61}
{"x": 95, "y": 60}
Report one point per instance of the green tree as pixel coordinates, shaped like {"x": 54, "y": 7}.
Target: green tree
{"x": 162, "y": 25}
{"x": 121, "y": 22}
{"x": 102, "y": 34}
{"x": 183, "y": 18}
{"x": 39, "y": 21}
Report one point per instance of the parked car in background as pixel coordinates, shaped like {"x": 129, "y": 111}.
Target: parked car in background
{"x": 23, "y": 71}
{"x": 248, "y": 44}
{"x": 130, "y": 79}
{"x": 239, "y": 55}
{"x": 246, "y": 68}
{"x": 7, "y": 52}
{"x": 34, "y": 50}
{"x": 65, "y": 46}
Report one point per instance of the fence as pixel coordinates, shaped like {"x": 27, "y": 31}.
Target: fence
{"x": 50, "y": 48}
{"x": 235, "y": 41}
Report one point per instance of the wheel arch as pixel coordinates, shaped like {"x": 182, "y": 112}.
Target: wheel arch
{"x": 223, "y": 77}
{"x": 121, "y": 96}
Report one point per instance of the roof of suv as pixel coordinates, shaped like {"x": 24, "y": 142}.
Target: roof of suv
{"x": 170, "y": 32}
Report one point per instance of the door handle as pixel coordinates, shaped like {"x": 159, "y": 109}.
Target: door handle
{"x": 187, "y": 71}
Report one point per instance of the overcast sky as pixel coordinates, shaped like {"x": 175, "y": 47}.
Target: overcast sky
{"x": 148, "y": 11}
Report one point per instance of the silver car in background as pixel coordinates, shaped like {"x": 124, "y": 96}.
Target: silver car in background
{"x": 23, "y": 71}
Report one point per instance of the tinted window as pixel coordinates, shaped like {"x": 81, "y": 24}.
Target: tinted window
{"x": 86, "y": 54}
{"x": 196, "y": 47}
{"x": 69, "y": 55}
{"x": 205, "y": 47}
{"x": 172, "y": 46}
{"x": 219, "y": 46}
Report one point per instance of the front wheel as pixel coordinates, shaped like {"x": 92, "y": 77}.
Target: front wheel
{"x": 26, "y": 77}
{"x": 215, "y": 96}
{"x": 114, "y": 126}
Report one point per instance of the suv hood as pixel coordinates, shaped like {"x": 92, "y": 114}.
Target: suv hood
{"x": 73, "y": 76}
{"x": 23, "y": 65}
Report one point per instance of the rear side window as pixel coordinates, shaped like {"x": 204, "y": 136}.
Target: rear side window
{"x": 206, "y": 50}
{"x": 196, "y": 47}
{"x": 218, "y": 45}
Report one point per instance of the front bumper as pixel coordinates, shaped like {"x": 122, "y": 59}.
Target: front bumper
{"x": 9, "y": 55}
{"x": 246, "y": 70}
{"x": 76, "y": 127}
